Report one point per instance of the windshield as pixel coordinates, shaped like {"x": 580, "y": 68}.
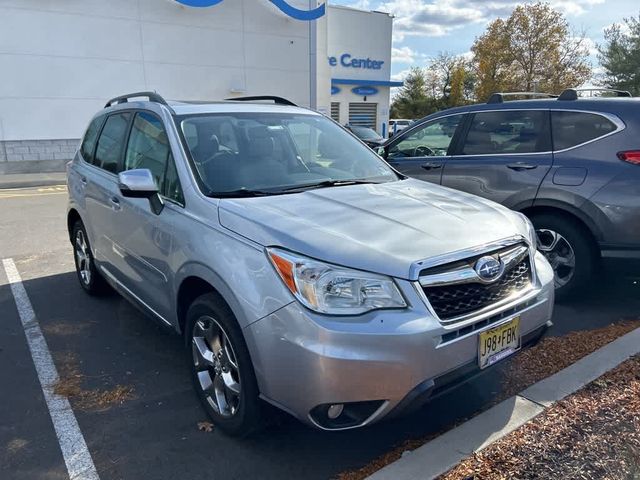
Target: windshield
{"x": 365, "y": 133}
{"x": 274, "y": 153}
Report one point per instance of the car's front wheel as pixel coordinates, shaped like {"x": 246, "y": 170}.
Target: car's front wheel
{"x": 568, "y": 247}
{"x": 221, "y": 366}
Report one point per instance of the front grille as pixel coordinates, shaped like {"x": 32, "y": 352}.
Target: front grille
{"x": 451, "y": 301}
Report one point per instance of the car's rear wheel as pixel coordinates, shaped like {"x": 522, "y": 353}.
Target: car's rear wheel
{"x": 88, "y": 275}
{"x": 568, "y": 247}
{"x": 221, "y": 366}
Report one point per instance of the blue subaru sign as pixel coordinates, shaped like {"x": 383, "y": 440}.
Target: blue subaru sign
{"x": 290, "y": 10}
{"x": 364, "y": 90}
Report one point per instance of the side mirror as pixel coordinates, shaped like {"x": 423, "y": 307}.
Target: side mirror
{"x": 139, "y": 183}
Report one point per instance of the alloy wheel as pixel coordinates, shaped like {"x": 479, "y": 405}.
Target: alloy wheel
{"x": 216, "y": 366}
{"x": 559, "y": 253}
{"x": 83, "y": 257}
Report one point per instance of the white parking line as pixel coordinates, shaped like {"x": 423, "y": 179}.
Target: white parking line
{"x": 74, "y": 448}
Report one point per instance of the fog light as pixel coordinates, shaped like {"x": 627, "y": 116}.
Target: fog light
{"x": 336, "y": 416}
{"x": 335, "y": 411}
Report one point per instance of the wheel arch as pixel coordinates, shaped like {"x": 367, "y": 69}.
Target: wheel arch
{"x": 555, "y": 207}
{"x": 72, "y": 217}
{"x": 568, "y": 212}
{"x": 196, "y": 280}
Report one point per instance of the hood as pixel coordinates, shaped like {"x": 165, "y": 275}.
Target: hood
{"x": 382, "y": 228}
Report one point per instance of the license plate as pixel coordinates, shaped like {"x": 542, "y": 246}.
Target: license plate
{"x": 498, "y": 343}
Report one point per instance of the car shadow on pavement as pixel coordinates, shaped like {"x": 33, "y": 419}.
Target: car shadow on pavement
{"x": 154, "y": 434}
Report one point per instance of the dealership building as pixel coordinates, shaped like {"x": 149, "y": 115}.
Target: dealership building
{"x": 60, "y": 61}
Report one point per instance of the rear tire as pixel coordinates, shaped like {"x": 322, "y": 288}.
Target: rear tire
{"x": 570, "y": 249}
{"x": 88, "y": 275}
{"x": 221, "y": 367}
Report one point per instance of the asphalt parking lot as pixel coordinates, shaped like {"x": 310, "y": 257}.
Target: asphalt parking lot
{"x": 154, "y": 434}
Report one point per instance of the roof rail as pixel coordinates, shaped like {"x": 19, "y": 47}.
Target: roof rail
{"x": 572, "y": 93}
{"x": 274, "y": 99}
{"x": 499, "y": 97}
{"x": 152, "y": 96}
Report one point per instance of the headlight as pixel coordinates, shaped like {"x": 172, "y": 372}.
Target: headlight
{"x": 530, "y": 230}
{"x": 334, "y": 290}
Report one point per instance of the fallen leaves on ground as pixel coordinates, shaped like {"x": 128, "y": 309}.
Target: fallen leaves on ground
{"x": 592, "y": 434}
{"x": 205, "y": 426}
{"x": 70, "y": 385}
{"x": 531, "y": 365}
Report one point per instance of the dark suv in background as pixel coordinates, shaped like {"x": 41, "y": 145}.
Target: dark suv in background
{"x": 571, "y": 164}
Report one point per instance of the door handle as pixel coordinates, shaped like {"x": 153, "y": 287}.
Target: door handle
{"x": 521, "y": 166}
{"x": 83, "y": 179}
{"x": 431, "y": 165}
{"x": 115, "y": 203}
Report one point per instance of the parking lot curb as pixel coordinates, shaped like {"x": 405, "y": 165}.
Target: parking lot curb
{"x": 444, "y": 452}
{"x": 32, "y": 180}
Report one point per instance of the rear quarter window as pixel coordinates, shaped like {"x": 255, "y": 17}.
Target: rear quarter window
{"x": 574, "y": 128}
{"x": 88, "y": 145}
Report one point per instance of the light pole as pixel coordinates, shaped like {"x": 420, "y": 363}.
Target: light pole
{"x": 313, "y": 64}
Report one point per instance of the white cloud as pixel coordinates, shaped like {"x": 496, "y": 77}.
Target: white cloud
{"x": 401, "y": 76}
{"x": 406, "y": 55}
{"x": 589, "y": 44}
{"x": 361, "y": 4}
{"x": 436, "y": 18}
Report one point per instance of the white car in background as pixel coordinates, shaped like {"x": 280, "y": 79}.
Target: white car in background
{"x": 396, "y": 125}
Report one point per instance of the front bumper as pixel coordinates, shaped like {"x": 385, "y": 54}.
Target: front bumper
{"x": 305, "y": 362}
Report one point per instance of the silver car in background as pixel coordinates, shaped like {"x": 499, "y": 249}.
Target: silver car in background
{"x": 300, "y": 268}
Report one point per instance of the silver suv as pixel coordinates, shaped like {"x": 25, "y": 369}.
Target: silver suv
{"x": 300, "y": 268}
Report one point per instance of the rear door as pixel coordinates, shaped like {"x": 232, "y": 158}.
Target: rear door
{"x": 422, "y": 151}
{"x": 504, "y": 156}
{"x": 101, "y": 191}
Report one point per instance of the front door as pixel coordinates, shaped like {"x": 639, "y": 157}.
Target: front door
{"x": 142, "y": 239}
{"x": 504, "y": 156}
{"x": 422, "y": 151}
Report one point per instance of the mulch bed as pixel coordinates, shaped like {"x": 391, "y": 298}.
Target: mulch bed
{"x": 549, "y": 356}
{"x": 553, "y": 354}
{"x": 592, "y": 434}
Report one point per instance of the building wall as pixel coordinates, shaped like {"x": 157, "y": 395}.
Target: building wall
{"x": 61, "y": 60}
{"x": 362, "y": 35}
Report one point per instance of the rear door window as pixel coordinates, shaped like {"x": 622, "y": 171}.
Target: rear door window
{"x": 508, "y": 132}
{"x": 575, "y": 128}
{"x": 111, "y": 142}
{"x": 90, "y": 137}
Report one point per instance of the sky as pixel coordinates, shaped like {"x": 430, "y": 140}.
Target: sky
{"x": 423, "y": 28}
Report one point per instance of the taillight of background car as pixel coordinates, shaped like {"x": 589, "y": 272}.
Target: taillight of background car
{"x": 630, "y": 156}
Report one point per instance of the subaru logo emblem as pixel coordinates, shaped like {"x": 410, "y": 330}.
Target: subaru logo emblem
{"x": 489, "y": 269}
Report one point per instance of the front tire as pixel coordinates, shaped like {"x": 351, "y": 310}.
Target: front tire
{"x": 569, "y": 248}
{"x": 221, "y": 367}
{"x": 88, "y": 275}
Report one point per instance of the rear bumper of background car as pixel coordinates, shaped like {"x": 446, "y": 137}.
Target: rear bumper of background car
{"x": 376, "y": 363}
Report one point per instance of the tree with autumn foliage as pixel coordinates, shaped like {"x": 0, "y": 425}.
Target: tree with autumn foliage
{"x": 412, "y": 100}
{"x": 532, "y": 50}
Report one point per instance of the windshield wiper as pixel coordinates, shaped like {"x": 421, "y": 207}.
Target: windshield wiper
{"x": 326, "y": 184}
{"x": 242, "y": 193}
